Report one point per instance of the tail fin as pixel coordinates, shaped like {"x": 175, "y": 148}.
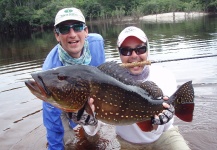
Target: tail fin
{"x": 183, "y": 101}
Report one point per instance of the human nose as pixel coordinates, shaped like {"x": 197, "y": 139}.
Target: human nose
{"x": 134, "y": 54}
{"x": 72, "y": 32}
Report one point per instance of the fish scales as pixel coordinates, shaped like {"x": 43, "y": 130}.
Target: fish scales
{"x": 113, "y": 102}
{"x": 118, "y": 99}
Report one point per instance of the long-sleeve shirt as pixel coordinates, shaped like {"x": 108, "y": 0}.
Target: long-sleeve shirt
{"x": 132, "y": 133}
{"x": 51, "y": 115}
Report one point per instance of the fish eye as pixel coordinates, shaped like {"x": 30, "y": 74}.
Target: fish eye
{"x": 61, "y": 76}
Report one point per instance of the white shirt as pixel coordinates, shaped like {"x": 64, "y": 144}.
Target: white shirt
{"x": 132, "y": 133}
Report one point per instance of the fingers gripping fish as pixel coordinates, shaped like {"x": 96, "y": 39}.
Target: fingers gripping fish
{"x": 117, "y": 98}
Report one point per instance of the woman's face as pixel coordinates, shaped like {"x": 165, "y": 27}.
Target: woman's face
{"x": 133, "y": 42}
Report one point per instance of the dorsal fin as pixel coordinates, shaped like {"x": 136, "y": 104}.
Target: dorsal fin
{"x": 152, "y": 89}
{"x": 122, "y": 74}
{"x": 114, "y": 70}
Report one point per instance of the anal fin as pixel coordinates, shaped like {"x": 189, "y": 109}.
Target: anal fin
{"x": 145, "y": 126}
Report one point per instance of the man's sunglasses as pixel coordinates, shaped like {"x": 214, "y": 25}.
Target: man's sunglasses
{"x": 128, "y": 51}
{"x": 65, "y": 29}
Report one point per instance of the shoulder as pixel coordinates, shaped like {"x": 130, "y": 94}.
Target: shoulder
{"x": 52, "y": 59}
{"x": 96, "y": 46}
{"x": 157, "y": 70}
{"x": 93, "y": 37}
{"x": 95, "y": 42}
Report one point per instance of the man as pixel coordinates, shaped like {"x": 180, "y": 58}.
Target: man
{"x": 75, "y": 46}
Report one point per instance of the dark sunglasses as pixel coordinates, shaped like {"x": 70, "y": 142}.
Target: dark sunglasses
{"x": 128, "y": 51}
{"x": 65, "y": 29}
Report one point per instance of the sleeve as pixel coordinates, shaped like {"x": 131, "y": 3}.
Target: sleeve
{"x": 52, "y": 59}
{"x": 51, "y": 115}
{"x": 169, "y": 125}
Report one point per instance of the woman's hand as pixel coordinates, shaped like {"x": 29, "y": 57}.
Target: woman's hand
{"x": 165, "y": 116}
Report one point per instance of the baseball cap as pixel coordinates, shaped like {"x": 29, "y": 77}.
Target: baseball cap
{"x": 69, "y": 14}
{"x": 131, "y": 31}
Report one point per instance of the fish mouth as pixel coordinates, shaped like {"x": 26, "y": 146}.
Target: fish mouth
{"x": 37, "y": 87}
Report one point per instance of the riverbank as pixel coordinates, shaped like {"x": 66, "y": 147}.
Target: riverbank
{"x": 172, "y": 16}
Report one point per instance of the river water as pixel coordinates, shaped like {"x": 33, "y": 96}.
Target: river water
{"x": 21, "y": 121}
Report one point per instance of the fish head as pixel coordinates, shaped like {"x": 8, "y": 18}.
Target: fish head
{"x": 62, "y": 87}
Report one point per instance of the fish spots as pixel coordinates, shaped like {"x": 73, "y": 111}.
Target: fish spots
{"x": 116, "y": 101}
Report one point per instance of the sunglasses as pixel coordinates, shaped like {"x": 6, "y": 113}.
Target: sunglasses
{"x": 65, "y": 29}
{"x": 128, "y": 51}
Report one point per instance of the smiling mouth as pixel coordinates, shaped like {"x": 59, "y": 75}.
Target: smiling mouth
{"x": 74, "y": 42}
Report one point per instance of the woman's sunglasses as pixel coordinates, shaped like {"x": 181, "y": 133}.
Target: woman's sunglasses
{"x": 128, "y": 51}
{"x": 65, "y": 29}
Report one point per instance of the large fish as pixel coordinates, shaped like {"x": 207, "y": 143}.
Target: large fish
{"x": 118, "y": 99}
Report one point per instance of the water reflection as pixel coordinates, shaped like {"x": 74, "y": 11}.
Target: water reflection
{"x": 21, "y": 49}
{"x": 176, "y": 40}
{"x": 20, "y": 56}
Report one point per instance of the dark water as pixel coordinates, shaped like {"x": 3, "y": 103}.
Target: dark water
{"x": 20, "y": 114}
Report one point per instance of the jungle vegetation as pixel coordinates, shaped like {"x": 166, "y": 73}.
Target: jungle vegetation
{"x": 23, "y": 15}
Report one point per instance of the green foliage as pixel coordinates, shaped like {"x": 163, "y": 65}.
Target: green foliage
{"x": 21, "y": 14}
{"x": 91, "y": 9}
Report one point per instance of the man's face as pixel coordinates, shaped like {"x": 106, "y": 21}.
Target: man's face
{"x": 133, "y": 42}
{"x": 73, "y": 41}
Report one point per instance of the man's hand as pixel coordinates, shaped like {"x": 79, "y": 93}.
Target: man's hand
{"x": 82, "y": 117}
{"x": 90, "y": 102}
{"x": 165, "y": 116}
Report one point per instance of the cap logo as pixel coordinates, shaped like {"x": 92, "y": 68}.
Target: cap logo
{"x": 68, "y": 11}
{"x": 129, "y": 30}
